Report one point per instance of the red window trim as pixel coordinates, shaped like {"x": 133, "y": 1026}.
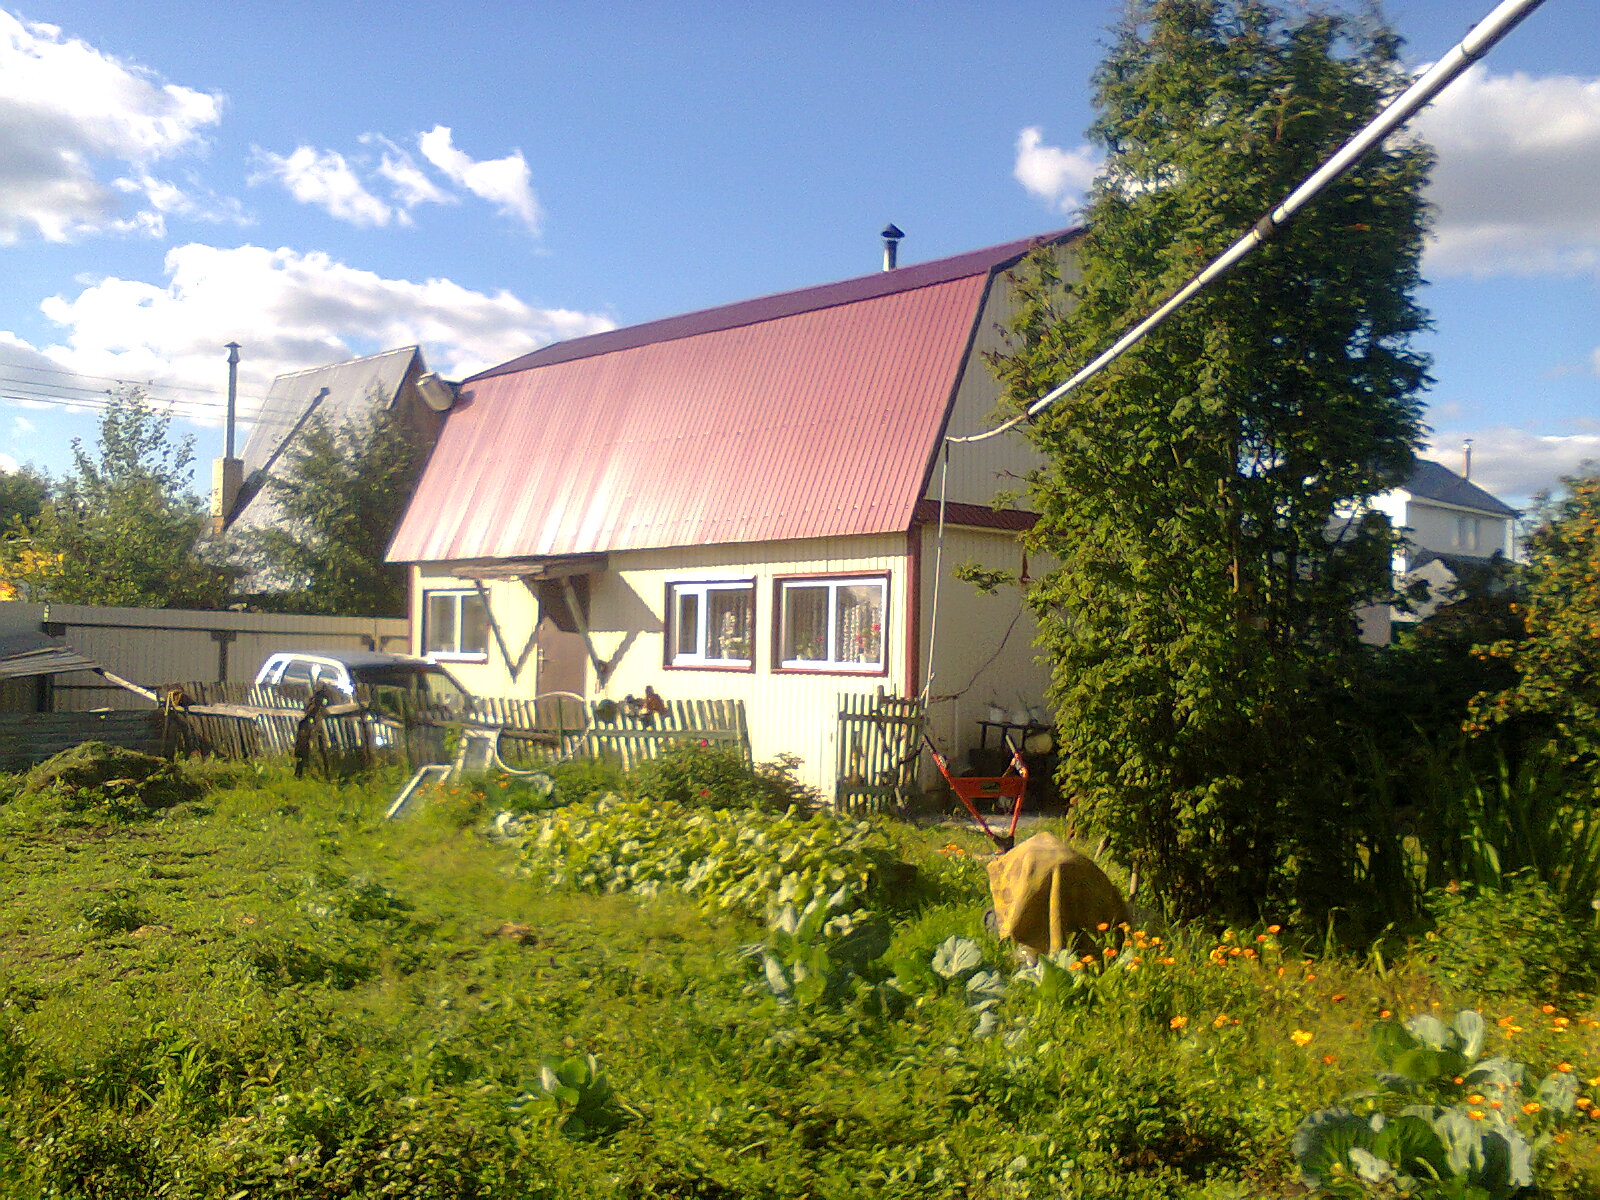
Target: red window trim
{"x": 669, "y": 626}
{"x": 886, "y": 575}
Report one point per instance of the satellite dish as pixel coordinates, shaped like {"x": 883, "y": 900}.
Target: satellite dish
{"x": 435, "y": 392}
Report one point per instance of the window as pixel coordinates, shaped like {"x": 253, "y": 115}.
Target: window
{"x": 455, "y": 625}
{"x": 711, "y": 624}
{"x": 832, "y": 624}
{"x": 1467, "y": 534}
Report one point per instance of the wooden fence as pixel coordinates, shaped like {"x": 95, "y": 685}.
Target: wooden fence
{"x": 244, "y": 721}
{"x": 880, "y": 741}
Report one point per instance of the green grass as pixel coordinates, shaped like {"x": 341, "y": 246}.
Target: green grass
{"x": 272, "y": 992}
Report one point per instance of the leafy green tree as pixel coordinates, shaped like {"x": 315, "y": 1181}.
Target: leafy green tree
{"x": 338, "y": 500}
{"x": 1201, "y": 618}
{"x": 1556, "y": 663}
{"x": 123, "y": 528}
{"x": 23, "y": 493}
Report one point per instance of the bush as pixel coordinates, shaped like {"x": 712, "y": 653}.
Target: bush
{"x": 707, "y": 777}
{"x": 580, "y": 779}
{"x": 1518, "y": 940}
{"x": 726, "y": 859}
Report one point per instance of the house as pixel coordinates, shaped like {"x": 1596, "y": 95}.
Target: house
{"x": 1450, "y": 526}
{"x": 742, "y": 503}
{"x": 396, "y": 381}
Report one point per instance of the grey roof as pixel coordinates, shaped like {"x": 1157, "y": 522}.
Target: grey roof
{"x": 355, "y": 389}
{"x": 25, "y": 653}
{"x": 1431, "y": 481}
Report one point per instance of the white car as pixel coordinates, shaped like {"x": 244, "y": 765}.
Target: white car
{"x": 345, "y": 670}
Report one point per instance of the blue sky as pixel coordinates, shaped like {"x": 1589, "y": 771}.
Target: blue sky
{"x": 319, "y": 181}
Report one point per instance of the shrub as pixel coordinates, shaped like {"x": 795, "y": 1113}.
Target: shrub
{"x": 728, "y": 859}
{"x": 1515, "y": 940}
{"x": 580, "y": 779}
{"x": 707, "y": 777}
{"x": 114, "y": 911}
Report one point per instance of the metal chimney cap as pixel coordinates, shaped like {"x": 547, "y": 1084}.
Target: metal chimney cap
{"x": 892, "y": 232}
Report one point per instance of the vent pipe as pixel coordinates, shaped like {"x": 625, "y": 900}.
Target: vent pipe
{"x": 233, "y": 396}
{"x": 1466, "y": 458}
{"x": 891, "y": 246}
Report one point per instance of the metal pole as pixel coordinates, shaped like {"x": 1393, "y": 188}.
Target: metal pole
{"x": 233, "y": 396}
{"x": 1505, "y": 17}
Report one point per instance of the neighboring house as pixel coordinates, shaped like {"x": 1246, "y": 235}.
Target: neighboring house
{"x": 741, "y": 503}
{"x": 395, "y": 381}
{"x": 1450, "y": 525}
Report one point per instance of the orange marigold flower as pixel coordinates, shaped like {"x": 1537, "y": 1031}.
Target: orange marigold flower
{"x": 1329, "y": 1059}
{"x": 1222, "y": 1019}
{"x": 1475, "y": 1098}
{"x": 1547, "y": 1009}
{"x": 1495, "y": 1104}
{"x": 1301, "y": 1037}
{"x": 1336, "y": 997}
{"x": 1532, "y": 1106}
{"x": 1564, "y": 1067}
{"x": 1594, "y": 1113}
{"x": 1103, "y": 926}
{"x": 1177, "y": 1022}
{"x": 1274, "y": 928}
{"x": 1261, "y": 937}
{"x": 1475, "y": 1114}
{"x": 1583, "y": 1102}
{"x": 1384, "y": 1014}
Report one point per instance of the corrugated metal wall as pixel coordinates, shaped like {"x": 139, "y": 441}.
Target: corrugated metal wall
{"x": 980, "y": 469}
{"x": 160, "y": 646}
{"x": 974, "y": 655}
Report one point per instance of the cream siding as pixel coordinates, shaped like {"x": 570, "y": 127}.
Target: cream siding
{"x": 978, "y": 470}
{"x": 979, "y": 657}
{"x": 794, "y": 712}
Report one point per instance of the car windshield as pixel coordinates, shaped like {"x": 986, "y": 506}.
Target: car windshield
{"x": 434, "y": 686}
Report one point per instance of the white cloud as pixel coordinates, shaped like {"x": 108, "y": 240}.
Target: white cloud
{"x": 21, "y": 427}
{"x": 1513, "y": 464}
{"x": 290, "y": 311}
{"x": 1060, "y": 177}
{"x": 325, "y": 179}
{"x": 1518, "y": 177}
{"x": 8, "y": 464}
{"x": 67, "y": 110}
{"x": 504, "y": 182}
{"x": 411, "y": 185}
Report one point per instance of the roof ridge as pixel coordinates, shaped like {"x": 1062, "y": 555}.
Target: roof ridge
{"x": 760, "y": 309}
{"x": 413, "y": 349}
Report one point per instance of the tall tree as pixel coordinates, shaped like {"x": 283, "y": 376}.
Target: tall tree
{"x": 338, "y": 501}
{"x": 1557, "y": 662}
{"x": 123, "y": 528}
{"x": 1201, "y": 620}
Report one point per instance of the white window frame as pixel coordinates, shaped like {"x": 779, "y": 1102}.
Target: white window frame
{"x": 460, "y": 596}
{"x": 702, "y": 589}
{"x": 832, "y": 664}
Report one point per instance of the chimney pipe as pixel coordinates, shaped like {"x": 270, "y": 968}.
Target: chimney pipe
{"x": 891, "y": 246}
{"x": 1466, "y": 458}
{"x": 233, "y": 396}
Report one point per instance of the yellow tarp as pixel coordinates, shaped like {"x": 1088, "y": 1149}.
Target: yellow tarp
{"x": 1047, "y": 896}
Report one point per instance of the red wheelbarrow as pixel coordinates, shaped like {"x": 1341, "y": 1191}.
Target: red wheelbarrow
{"x": 1011, "y": 784}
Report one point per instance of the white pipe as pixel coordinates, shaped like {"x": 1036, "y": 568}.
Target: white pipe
{"x": 1505, "y": 17}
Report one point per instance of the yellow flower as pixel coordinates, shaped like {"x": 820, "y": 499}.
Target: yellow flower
{"x": 1475, "y": 1098}
{"x": 1222, "y": 1019}
{"x": 1301, "y": 1037}
{"x": 1532, "y": 1106}
{"x": 1177, "y": 1022}
{"x": 1474, "y": 1114}
{"x": 1583, "y": 1102}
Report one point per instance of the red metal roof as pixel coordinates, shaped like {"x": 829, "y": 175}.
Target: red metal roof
{"x": 807, "y": 414}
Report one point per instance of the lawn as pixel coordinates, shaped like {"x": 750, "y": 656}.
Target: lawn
{"x": 270, "y": 991}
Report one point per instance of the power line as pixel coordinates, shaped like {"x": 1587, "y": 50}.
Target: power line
{"x": 149, "y": 384}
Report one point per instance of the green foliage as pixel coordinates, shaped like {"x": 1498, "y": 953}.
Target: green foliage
{"x": 1445, "y": 1124}
{"x": 815, "y": 954}
{"x": 1201, "y": 619}
{"x": 23, "y": 494}
{"x": 1555, "y": 951}
{"x": 123, "y": 528}
{"x": 724, "y": 858}
{"x": 698, "y": 776}
{"x": 116, "y": 910}
{"x": 574, "y": 1094}
{"x": 1556, "y": 681}
{"x": 338, "y": 497}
